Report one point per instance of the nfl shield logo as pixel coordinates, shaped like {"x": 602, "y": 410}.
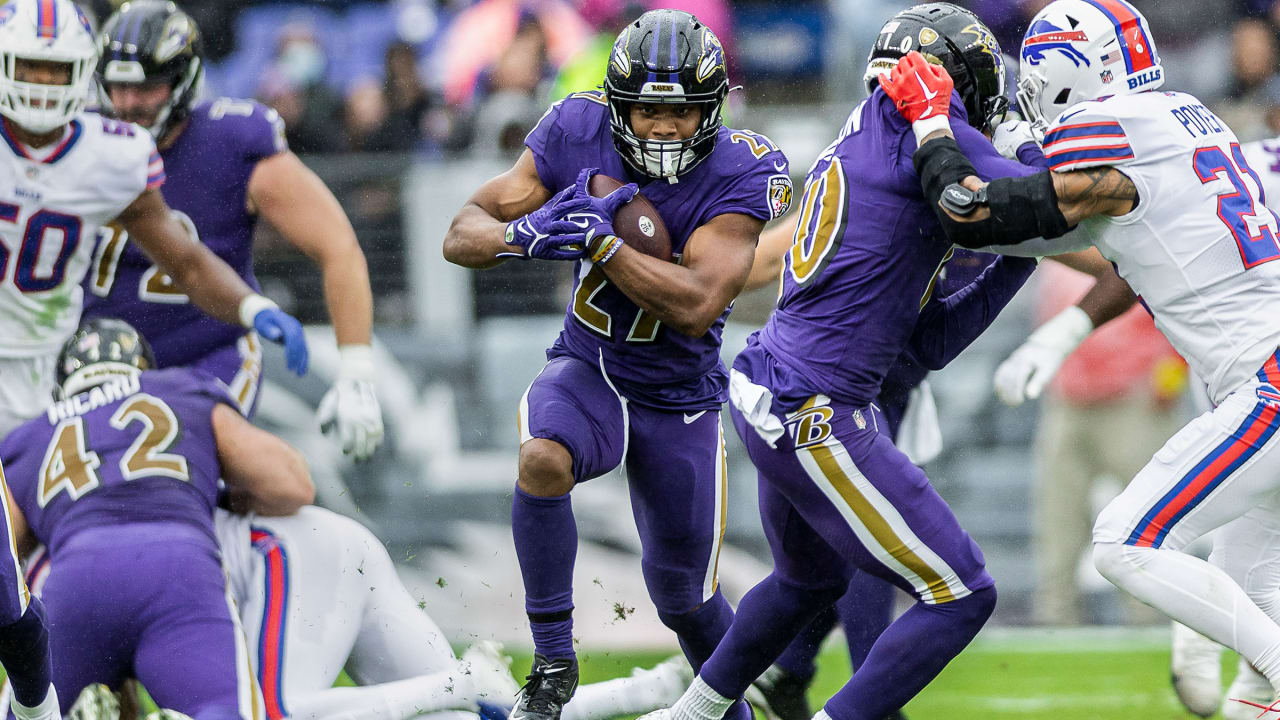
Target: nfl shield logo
{"x": 1107, "y": 77}
{"x": 779, "y": 195}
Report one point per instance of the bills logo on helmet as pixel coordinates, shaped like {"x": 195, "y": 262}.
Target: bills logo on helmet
{"x": 7, "y": 11}
{"x": 780, "y": 194}
{"x": 1043, "y": 36}
{"x": 1148, "y": 76}
{"x": 712, "y": 56}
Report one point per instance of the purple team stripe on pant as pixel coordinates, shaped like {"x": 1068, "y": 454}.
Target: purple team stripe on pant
{"x": 275, "y": 611}
{"x": 1257, "y": 429}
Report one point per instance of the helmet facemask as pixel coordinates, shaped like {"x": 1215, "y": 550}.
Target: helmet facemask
{"x": 183, "y": 89}
{"x": 39, "y": 107}
{"x": 663, "y": 158}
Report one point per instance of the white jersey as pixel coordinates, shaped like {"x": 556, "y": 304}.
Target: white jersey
{"x": 1199, "y": 247}
{"x": 1264, "y": 157}
{"x": 52, "y": 202}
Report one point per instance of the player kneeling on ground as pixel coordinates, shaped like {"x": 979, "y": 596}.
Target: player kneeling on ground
{"x": 119, "y": 478}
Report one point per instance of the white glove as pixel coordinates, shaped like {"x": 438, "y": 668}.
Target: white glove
{"x": 351, "y": 405}
{"x": 1024, "y": 375}
{"x": 1011, "y": 135}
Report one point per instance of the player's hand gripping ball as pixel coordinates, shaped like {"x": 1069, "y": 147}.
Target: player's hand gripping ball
{"x": 918, "y": 88}
{"x": 637, "y": 222}
{"x": 279, "y": 326}
{"x": 545, "y": 233}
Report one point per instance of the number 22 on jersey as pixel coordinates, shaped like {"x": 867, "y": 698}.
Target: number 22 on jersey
{"x": 1243, "y": 210}
{"x": 71, "y": 465}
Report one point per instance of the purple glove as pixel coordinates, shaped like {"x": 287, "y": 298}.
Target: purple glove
{"x": 544, "y": 233}
{"x": 595, "y": 219}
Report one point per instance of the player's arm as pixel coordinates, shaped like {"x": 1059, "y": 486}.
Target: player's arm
{"x": 23, "y": 540}
{"x": 1028, "y": 369}
{"x": 268, "y": 473}
{"x": 289, "y": 196}
{"x": 206, "y": 279}
{"x": 688, "y": 297}
{"x": 949, "y": 325}
{"x": 477, "y": 236}
{"x": 770, "y": 253}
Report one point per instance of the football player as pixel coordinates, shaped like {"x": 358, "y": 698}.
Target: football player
{"x": 635, "y": 378}
{"x": 227, "y": 165}
{"x": 835, "y": 494}
{"x": 1162, "y": 188}
{"x": 65, "y": 174}
{"x": 125, "y": 456}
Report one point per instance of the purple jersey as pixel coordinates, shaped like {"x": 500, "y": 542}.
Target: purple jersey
{"x": 134, "y": 449}
{"x": 866, "y": 257}
{"x": 651, "y": 364}
{"x": 208, "y": 169}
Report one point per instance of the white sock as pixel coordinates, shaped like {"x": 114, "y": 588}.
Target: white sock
{"x": 396, "y": 700}
{"x": 700, "y": 702}
{"x": 821, "y": 715}
{"x": 645, "y": 691}
{"x": 1198, "y": 595}
{"x": 46, "y": 710}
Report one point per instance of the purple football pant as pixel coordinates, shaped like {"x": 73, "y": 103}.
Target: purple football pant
{"x": 846, "y": 498}
{"x": 149, "y": 600}
{"x": 675, "y": 469}
{"x": 240, "y": 367}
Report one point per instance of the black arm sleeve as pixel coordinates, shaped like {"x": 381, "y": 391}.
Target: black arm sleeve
{"x": 1021, "y": 208}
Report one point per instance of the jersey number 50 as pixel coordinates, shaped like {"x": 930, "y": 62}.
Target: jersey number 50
{"x": 27, "y": 275}
{"x": 1243, "y": 211}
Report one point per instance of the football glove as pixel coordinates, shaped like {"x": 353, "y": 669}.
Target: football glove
{"x": 1026, "y": 372}
{"x": 1012, "y": 135}
{"x": 278, "y": 326}
{"x": 596, "y": 219}
{"x": 351, "y": 408}
{"x": 545, "y": 234}
{"x": 922, "y": 93}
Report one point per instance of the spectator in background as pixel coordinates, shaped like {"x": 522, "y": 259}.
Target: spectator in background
{"x": 508, "y": 100}
{"x": 294, "y": 86}
{"x": 398, "y": 114}
{"x": 1253, "y": 66}
{"x": 1113, "y": 403}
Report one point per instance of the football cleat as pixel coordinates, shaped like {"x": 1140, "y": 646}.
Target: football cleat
{"x": 1195, "y": 667}
{"x": 1251, "y": 687}
{"x": 95, "y": 702}
{"x": 490, "y": 673}
{"x": 549, "y": 687}
{"x": 780, "y": 695}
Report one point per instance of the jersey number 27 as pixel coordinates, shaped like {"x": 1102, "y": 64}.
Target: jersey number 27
{"x": 1243, "y": 211}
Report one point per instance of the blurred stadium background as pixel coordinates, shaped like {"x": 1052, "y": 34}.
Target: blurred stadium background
{"x": 404, "y": 107}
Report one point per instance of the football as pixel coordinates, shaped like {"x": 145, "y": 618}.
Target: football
{"x": 637, "y": 222}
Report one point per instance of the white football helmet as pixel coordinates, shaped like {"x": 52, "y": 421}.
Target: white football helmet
{"x": 1078, "y": 50}
{"x": 50, "y": 31}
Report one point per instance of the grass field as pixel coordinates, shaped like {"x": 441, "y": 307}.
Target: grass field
{"x": 1027, "y": 675}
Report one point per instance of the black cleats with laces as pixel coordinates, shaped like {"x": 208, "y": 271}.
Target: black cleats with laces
{"x": 550, "y": 684}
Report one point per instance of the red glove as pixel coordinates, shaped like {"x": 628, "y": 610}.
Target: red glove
{"x": 919, "y": 89}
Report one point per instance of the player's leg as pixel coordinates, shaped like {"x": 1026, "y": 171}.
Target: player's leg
{"x": 573, "y": 427}
{"x": 191, "y": 652}
{"x": 1248, "y": 550}
{"x": 240, "y": 367}
{"x": 24, "y": 632}
{"x": 1211, "y": 472}
{"x": 678, "y": 481}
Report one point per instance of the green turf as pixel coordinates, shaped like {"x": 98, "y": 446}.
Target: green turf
{"x": 1009, "y": 675}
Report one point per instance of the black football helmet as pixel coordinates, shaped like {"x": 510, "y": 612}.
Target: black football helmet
{"x": 100, "y": 349}
{"x": 666, "y": 57}
{"x": 956, "y": 39}
{"x": 150, "y": 41}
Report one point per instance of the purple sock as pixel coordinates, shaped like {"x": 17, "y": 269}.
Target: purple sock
{"x": 700, "y": 631}
{"x": 865, "y": 611}
{"x": 546, "y": 540}
{"x": 897, "y": 669}
{"x": 24, "y": 653}
{"x": 768, "y": 619}
{"x": 798, "y": 658}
